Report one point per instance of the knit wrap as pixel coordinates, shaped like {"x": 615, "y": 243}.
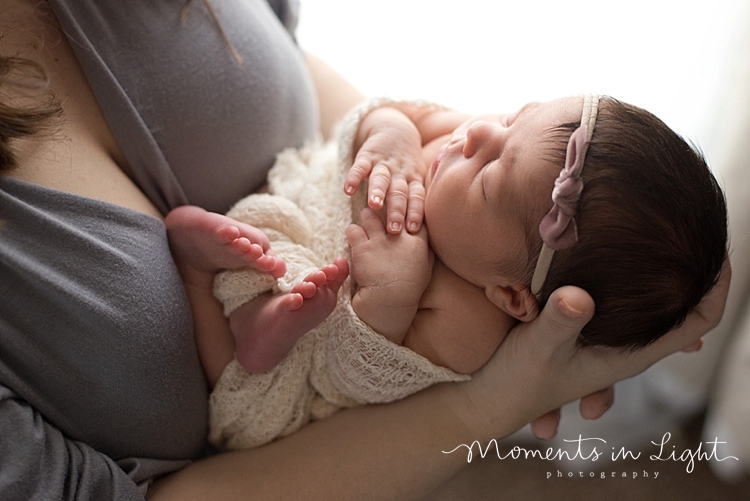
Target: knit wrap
{"x": 342, "y": 362}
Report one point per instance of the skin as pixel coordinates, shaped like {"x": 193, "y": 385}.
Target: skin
{"x": 486, "y": 184}
{"x": 266, "y": 328}
{"x": 538, "y": 368}
{"x": 483, "y": 187}
{"x": 493, "y": 165}
{"x": 401, "y": 458}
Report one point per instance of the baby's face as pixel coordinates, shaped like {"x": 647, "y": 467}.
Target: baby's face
{"x": 490, "y": 186}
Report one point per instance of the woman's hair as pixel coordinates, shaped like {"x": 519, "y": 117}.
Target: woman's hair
{"x": 27, "y": 105}
{"x": 652, "y": 228}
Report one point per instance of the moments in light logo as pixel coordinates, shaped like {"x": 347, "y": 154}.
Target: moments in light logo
{"x": 591, "y": 449}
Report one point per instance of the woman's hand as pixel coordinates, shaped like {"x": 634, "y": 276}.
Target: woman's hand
{"x": 389, "y": 156}
{"x": 549, "y": 369}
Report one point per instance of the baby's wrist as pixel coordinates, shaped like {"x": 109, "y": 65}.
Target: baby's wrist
{"x": 388, "y": 318}
{"x": 389, "y": 298}
{"x": 377, "y": 118}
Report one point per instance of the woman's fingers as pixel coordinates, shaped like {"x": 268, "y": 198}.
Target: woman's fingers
{"x": 545, "y": 427}
{"x": 702, "y": 319}
{"x": 696, "y": 346}
{"x": 593, "y": 406}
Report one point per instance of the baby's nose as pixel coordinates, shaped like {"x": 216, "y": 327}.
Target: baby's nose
{"x": 482, "y": 136}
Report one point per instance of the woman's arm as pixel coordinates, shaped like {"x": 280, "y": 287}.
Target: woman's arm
{"x": 38, "y": 461}
{"x": 336, "y": 95}
{"x": 395, "y": 451}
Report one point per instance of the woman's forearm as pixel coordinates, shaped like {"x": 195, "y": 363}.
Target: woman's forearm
{"x": 381, "y": 452}
{"x": 336, "y": 95}
{"x": 395, "y": 451}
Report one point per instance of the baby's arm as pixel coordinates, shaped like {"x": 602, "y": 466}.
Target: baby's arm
{"x": 389, "y": 152}
{"x": 392, "y": 272}
{"x": 426, "y": 308}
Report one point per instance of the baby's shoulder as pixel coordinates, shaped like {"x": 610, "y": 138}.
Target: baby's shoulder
{"x": 460, "y": 327}
{"x": 447, "y": 290}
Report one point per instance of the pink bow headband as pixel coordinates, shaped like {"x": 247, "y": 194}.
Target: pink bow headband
{"x": 558, "y": 228}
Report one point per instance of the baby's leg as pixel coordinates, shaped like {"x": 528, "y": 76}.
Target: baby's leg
{"x": 204, "y": 243}
{"x": 266, "y": 328}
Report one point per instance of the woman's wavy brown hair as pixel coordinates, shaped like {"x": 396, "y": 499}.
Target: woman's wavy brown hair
{"x": 27, "y": 105}
{"x": 652, "y": 226}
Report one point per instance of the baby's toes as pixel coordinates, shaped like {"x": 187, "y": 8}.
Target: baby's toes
{"x": 292, "y": 301}
{"x": 330, "y": 271}
{"x": 263, "y": 263}
{"x": 317, "y": 277}
{"x": 305, "y": 289}
{"x": 342, "y": 271}
{"x": 254, "y": 251}
{"x": 227, "y": 233}
{"x": 279, "y": 269}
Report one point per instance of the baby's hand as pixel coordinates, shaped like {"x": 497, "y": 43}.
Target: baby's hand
{"x": 391, "y": 158}
{"x": 392, "y": 272}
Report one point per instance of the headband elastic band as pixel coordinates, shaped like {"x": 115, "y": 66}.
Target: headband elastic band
{"x": 558, "y": 227}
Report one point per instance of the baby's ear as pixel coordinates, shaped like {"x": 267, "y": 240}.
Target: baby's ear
{"x": 516, "y": 300}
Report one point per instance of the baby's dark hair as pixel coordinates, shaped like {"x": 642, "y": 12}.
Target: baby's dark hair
{"x": 652, "y": 228}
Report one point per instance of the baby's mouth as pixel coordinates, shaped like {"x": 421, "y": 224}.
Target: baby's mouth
{"x": 438, "y": 158}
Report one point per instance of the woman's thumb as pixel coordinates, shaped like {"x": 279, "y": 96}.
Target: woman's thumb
{"x": 567, "y": 311}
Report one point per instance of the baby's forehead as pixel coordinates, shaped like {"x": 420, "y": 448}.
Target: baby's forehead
{"x": 543, "y": 113}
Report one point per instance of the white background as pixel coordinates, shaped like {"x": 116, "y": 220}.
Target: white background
{"x": 687, "y": 61}
{"x": 668, "y": 56}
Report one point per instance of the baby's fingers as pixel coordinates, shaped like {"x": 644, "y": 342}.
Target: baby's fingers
{"x": 355, "y": 235}
{"x": 371, "y": 227}
{"x": 358, "y": 172}
{"x": 371, "y": 223}
{"x": 415, "y": 207}
{"x": 379, "y": 183}
{"x": 398, "y": 194}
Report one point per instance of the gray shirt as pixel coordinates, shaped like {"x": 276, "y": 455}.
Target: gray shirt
{"x": 99, "y": 375}
{"x": 196, "y": 125}
{"x": 101, "y": 389}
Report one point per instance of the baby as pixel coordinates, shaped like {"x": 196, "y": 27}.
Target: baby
{"x": 635, "y": 218}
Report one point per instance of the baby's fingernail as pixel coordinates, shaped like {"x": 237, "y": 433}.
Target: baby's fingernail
{"x": 395, "y": 226}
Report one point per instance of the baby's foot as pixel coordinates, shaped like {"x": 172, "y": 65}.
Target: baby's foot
{"x": 267, "y": 327}
{"x": 208, "y": 242}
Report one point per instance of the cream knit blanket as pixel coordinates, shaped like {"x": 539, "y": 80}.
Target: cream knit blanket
{"x": 340, "y": 363}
